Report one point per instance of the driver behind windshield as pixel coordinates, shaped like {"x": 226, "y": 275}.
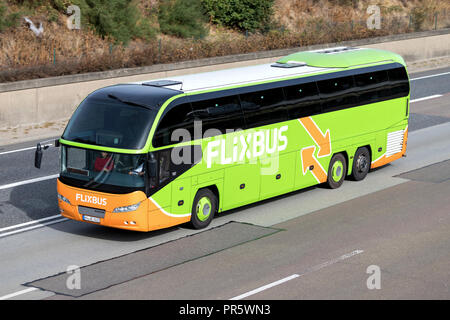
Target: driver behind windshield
{"x": 131, "y": 165}
{"x": 104, "y": 162}
{"x": 125, "y": 164}
{"x": 138, "y": 171}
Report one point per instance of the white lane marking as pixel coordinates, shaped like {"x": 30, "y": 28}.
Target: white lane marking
{"x": 24, "y": 149}
{"x": 28, "y": 223}
{"x": 329, "y": 263}
{"x": 20, "y": 183}
{"x": 426, "y": 98}
{"x": 267, "y": 286}
{"x": 313, "y": 269}
{"x": 431, "y": 76}
{"x": 18, "y": 293}
{"x": 39, "y": 225}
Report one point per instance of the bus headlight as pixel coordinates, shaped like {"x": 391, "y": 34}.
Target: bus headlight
{"x": 132, "y": 207}
{"x": 62, "y": 198}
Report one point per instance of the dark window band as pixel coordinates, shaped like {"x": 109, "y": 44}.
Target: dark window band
{"x": 255, "y": 106}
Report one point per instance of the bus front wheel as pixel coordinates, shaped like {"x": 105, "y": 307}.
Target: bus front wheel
{"x": 203, "y": 208}
{"x": 337, "y": 171}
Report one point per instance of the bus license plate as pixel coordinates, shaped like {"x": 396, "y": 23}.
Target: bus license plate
{"x": 91, "y": 219}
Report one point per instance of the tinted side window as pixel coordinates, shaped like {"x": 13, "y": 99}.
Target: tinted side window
{"x": 372, "y": 86}
{"x": 218, "y": 115}
{"x": 264, "y": 107}
{"x": 399, "y": 82}
{"x": 168, "y": 164}
{"x": 176, "y": 118}
{"x": 302, "y": 100}
{"x": 337, "y": 94}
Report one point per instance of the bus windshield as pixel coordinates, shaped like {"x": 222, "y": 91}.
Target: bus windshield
{"x": 103, "y": 171}
{"x": 110, "y": 122}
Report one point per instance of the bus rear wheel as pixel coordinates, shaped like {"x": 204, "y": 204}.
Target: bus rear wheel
{"x": 203, "y": 208}
{"x": 361, "y": 164}
{"x": 336, "y": 171}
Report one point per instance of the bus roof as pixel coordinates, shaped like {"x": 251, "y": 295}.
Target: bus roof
{"x": 297, "y": 64}
{"x": 342, "y": 57}
{"x": 136, "y": 94}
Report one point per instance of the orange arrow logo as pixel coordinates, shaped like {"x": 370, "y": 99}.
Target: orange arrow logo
{"x": 322, "y": 140}
{"x": 309, "y": 162}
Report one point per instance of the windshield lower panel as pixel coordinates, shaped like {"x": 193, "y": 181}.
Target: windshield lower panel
{"x": 103, "y": 171}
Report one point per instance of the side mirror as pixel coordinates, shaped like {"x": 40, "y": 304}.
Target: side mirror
{"x": 57, "y": 144}
{"x": 38, "y": 156}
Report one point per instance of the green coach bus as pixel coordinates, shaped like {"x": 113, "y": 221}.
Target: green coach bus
{"x": 149, "y": 155}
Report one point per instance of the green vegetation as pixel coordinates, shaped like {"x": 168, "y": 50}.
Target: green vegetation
{"x": 244, "y": 15}
{"x": 182, "y": 18}
{"x": 418, "y": 17}
{"x": 133, "y": 33}
{"x": 117, "y": 19}
{"x": 7, "y": 20}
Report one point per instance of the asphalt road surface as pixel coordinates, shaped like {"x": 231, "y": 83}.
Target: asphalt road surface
{"x": 386, "y": 237}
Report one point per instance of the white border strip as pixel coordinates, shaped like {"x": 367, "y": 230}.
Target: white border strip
{"x": 167, "y": 213}
{"x": 28, "y": 223}
{"x": 431, "y": 76}
{"x": 18, "y": 293}
{"x": 426, "y": 98}
{"x": 39, "y": 225}
{"x": 378, "y": 158}
{"x": 20, "y": 183}
{"x": 267, "y": 286}
{"x": 24, "y": 149}
{"x": 315, "y": 268}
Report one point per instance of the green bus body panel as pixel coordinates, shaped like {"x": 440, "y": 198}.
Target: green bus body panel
{"x": 239, "y": 184}
{"x": 282, "y": 181}
{"x": 181, "y": 192}
{"x": 260, "y": 177}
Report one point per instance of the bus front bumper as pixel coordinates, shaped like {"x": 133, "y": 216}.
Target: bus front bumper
{"x": 98, "y": 208}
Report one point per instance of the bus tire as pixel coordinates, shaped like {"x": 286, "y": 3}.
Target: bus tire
{"x": 203, "y": 208}
{"x": 361, "y": 164}
{"x": 337, "y": 171}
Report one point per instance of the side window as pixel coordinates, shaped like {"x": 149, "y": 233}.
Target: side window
{"x": 372, "y": 86}
{"x": 302, "y": 100}
{"x": 398, "y": 79}
{"x": 166, "y": 165}
{"x": 337, "y": 93}
{"x": 218, "y": 115}
{"x": 264, "y": 107}
{"x": 177, "y": 117}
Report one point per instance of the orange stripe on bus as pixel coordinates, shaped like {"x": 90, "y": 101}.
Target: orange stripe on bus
{"x": 385, "y": 160}
{"x": 309, "y": 161}
{"x": 322, "y": 140}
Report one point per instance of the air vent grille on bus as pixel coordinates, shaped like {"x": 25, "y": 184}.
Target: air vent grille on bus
{"x": 394, "y": 142}
{"x": 334, "y": 50}
{"x": 289, "y": 64}
{"x": 162, "y": 83}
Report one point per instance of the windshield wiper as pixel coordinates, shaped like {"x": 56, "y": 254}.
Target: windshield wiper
{"x": 129, "y": 102}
